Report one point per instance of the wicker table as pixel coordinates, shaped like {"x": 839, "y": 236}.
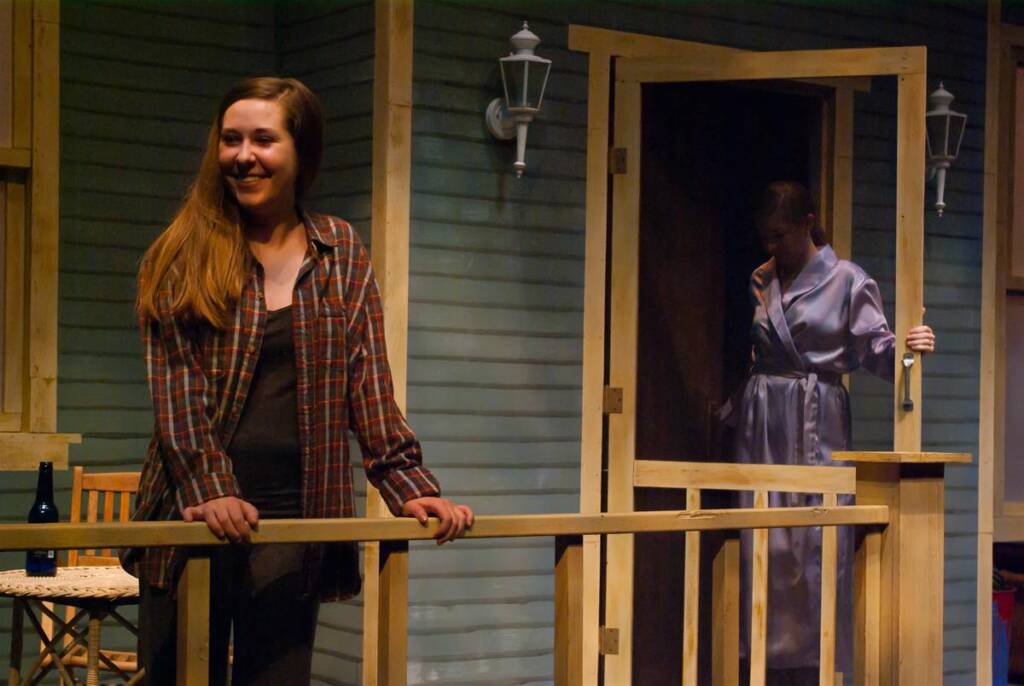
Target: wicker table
{"x": 95, "y": 593}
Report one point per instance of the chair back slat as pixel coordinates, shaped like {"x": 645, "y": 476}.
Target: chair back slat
{"x": 125, "y": 514}
{"x": 115, "y": 489}
{"x": 691, "y": 597}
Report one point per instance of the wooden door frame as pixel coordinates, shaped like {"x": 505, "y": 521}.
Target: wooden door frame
{"x": 653, "y": 58}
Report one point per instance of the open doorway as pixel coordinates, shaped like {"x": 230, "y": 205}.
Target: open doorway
{"x": 708, "y": 149}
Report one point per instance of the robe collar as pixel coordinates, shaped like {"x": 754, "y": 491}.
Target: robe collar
{"x": 813, "y": 273}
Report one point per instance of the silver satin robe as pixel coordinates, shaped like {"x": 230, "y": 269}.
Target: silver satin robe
{"x": 795, "y": 410}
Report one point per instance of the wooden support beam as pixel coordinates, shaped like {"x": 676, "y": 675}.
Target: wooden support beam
{"x": 911, "y": 569}
{"x": 691, "y": 597}
{"x": 389, "y": 252}
{"x": 910, "y": 154}
{"x": 759, "y": 600}
{"x": 786, "y": 64}
{"x": 622, "y": 372}
{"x": 569, "y": 611}
{"x": 725, "y": 614}
{"x": 393, "y": 616}
{"x": 592, "y": 408}
{"x": 43, "y": 237}
{"x": 193, "y": 645}
{"x": 827, "y": 629}
{"x": 867, "y": 603}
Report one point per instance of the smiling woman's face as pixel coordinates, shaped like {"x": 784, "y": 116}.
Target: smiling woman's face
{"x": 257, "y": 157}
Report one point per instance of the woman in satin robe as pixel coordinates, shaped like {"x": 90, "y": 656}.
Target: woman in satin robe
{"x": 816, "y": 318}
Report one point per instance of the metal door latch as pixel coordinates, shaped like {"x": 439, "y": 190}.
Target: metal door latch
{"x": 908, "y": 362}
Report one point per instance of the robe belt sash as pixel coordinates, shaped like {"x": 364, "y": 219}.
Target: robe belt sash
{"x": 808, "y": 405}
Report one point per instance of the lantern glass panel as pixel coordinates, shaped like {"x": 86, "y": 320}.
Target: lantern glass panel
{"x": 957, "y": 124}
{"x": 524, "y": 82}
{"x": 938, "y": 135}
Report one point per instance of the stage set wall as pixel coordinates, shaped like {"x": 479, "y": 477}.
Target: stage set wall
{"x": 496, "y": 264}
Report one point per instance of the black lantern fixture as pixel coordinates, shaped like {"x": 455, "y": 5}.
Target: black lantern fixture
{"x": 524, "y": 76}
{"x": 945, "y": 131}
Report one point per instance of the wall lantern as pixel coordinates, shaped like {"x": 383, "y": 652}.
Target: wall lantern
{"x": 945, "y": 130}
{"x": 524, "y": 76}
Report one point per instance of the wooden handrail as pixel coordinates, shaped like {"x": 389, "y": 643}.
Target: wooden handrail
{"x": 157, "y": 534}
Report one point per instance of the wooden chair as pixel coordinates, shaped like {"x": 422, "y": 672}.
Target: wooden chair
{"x": 92, "y": 586}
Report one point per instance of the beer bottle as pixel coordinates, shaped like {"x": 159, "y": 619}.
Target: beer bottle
{"x": 44, "y": 511}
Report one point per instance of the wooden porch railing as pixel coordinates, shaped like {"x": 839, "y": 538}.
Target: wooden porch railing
{"x": 898, "y": 580}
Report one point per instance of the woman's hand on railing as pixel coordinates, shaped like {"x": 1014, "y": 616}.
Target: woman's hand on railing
{"x": 455, "y": 519}
{"x": 228, "y": 516}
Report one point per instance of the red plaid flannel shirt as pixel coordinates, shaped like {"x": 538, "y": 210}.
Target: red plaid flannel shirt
{"x": 199, "y": 378}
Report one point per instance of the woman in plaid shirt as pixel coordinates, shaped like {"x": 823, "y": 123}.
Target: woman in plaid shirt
{"x": 264, "y": 347}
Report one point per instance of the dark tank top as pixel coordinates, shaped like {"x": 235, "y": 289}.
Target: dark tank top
{"x": 265, "y": 450}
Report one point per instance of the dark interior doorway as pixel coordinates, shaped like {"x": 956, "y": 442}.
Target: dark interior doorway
{"x": 708, "y": 150}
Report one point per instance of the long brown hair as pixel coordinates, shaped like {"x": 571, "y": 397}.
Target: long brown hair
{"x": 196, "y": 268}
{"x": 791, "y": 202}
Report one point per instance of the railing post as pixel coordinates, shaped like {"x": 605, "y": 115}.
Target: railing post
{"x": 725, "y": 612}
{"x": 907, "y": 560}
{"x": 393, "y": 618}
{"x": 569, "y": 611}
{"x": 193, "y": 645}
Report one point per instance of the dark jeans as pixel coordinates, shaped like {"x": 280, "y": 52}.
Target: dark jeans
{"x": 259, "y": 591}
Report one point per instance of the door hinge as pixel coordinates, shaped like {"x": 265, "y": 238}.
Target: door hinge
{"x": 609, "y": 641}
{"x": 617, "y": 161}
{"x": 612, "y": 400}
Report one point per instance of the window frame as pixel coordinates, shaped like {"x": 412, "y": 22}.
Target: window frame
{"x": 30, "y": 168}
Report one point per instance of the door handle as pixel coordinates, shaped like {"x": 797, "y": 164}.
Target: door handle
{"x": 908, "y": 362}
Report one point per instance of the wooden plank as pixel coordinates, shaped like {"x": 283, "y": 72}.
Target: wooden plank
{"x": 622, "y": 374}
{"x": 827, "y": 630}
{"x": 1008, "y": 529}
{"x": 867, "y": 605}
{"x": 691, "y": 597}
{"x": 787, "y": 64}
{"x": 826, "y": 154}
{"x": 76, "y": 508}
{"x": 44, "y": 243}
{"x": 18, "y": 158}
{"x": 990, "y": 411}
{"x": 14, "y": 302}
{"x": 125, "y": 512}
{"x": 725, "y": 614}
{"x": 158, "y": 534}
{"x": 24, "y": 451}
{"x": 569, "y": 611}
{"x": 193, "y": 645}
{"x": 920, "y": 568}
{"x": 626, "y": 44}
{"x": 394, "y": 613}
{"x": 21, "y": 125}
{"x": 842, "y": 173}
{"x": 391, "y": 175}
{"x": 744, "y": 477}
{"x": 592, "y": 398}
{"x": 877, "y": 484}
{"x": 759, "y": 599}
{"x": 910, "y": 152}
{"x": 902, "y": 457}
